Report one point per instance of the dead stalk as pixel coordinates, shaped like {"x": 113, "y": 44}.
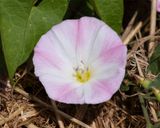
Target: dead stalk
{"x": 25, "y": 94}
{"x": 152, "y": 26}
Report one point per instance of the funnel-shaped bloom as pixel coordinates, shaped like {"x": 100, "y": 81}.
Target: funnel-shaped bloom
{"x": 80, "y": 61}
{"x": 158, "y": 5}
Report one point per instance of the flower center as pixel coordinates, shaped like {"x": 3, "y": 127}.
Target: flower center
{"x": 82, "y": 73}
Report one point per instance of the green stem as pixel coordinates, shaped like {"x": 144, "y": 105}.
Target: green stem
{"x": 146, "y": 116}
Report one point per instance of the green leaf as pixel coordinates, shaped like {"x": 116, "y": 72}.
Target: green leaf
{"x": 2, "y": 63}
{"x": 110, "y": 11}
{"x": 124, "y": 88}
{"x": 155, "y": 83}
{"x": 157, "y": 125}
{"x": 22, "y": 23}
{"x": 154, "y": 64}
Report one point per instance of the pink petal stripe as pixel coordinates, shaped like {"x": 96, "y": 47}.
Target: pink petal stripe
{"x": 64, "y": 92}
{"x": 87, "y": 32}
{"x": 102, "y": 90}
{"x": 116, "y": 54}
{"x": 158, "y": 5}
{"x": 105, "y": 40}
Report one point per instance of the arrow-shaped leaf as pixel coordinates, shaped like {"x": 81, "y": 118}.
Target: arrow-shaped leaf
{"x": 22, "y": 24}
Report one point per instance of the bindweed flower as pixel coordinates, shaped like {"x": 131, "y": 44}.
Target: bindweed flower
{"x": 158, "y": 5}
{"x": 80, "y": 61}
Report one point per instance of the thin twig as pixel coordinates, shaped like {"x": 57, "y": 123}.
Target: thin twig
{"x": 12, "y": 116}
{"x": 59, "y": 120}
{"x": 20, "y": 77}
{"x": 153, "y": 112}
{"x": 25, "y": 122}
{"x": 33, "y": 98}
{"x": 146, "y": 116}
{"x": 120, "y": 121}
{"x": 132, "y": 33}
{"x": 79, "y": 114}
{"x": 129, "y": 26}
{"x": 29, "y": 114}
{"x": 152, "y": 26}
{"x": 3, "y": 96}
{"x": 31, "y": 126}
{"x": 93, "y": 125}
{"x": 142, "y": 41}
{"x": 138, "y": 66}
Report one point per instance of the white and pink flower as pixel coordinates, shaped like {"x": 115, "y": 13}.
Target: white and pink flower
{"x": 80, "y": 61}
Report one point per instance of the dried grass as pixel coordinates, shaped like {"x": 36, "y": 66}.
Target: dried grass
{"x": 26, "y": 109}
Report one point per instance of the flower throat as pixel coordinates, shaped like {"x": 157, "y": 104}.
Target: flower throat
{"x": 82, "y": 73}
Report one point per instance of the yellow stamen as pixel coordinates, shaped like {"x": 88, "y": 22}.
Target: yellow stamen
{"x": 82, "y": 76}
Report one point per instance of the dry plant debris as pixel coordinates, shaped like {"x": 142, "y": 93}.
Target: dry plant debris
{"x": 23, "y": 106}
